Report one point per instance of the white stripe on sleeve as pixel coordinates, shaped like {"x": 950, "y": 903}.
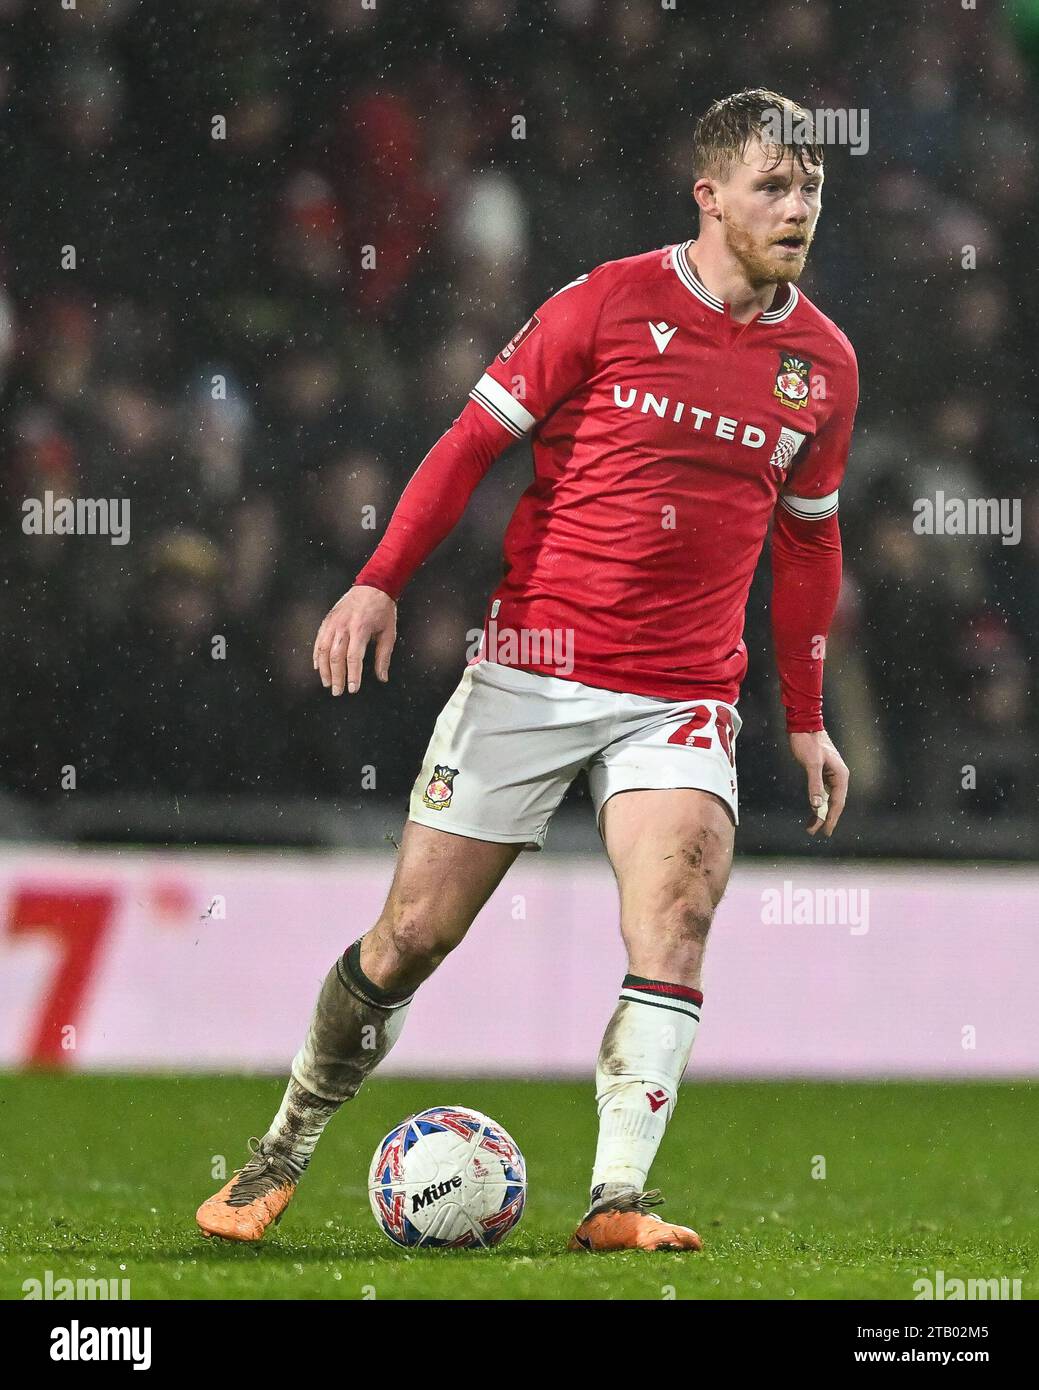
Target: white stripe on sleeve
{"x": 810, "y": 508}
{"x": 504, "y": 406}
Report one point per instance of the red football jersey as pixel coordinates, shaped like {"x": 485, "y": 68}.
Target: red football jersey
{"x": 663, "y": 433}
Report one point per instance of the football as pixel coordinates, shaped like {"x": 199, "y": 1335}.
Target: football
{"x": 447, "y": 1177}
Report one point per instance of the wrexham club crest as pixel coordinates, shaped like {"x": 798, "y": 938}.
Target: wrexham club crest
{"x": 792, "y": 381}
{"x": 440, "y": 788}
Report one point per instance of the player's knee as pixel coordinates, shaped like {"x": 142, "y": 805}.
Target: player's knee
{"x": 416, "y": 938}
{"x": 670, "y": 944}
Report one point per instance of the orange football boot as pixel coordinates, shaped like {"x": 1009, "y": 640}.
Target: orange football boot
{"x": 627, "y": 1225}
{"x": 255, "y": 1196}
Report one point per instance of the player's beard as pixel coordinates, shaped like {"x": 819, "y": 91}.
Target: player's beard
{"x": 760, "y": 267}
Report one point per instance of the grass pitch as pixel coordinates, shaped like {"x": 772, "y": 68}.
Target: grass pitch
{"x": 100, "y": 1177}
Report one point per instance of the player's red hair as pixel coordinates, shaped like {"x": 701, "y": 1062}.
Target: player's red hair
{"x": 726, "y": 128}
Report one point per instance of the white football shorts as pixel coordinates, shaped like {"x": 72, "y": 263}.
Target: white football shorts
{"x": 509, "y": 742}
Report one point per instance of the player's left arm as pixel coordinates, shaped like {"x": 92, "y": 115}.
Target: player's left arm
{"x": 806, "y": 581}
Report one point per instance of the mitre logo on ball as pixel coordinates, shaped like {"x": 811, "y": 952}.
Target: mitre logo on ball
{"x": 440, "y": 788}
{"x": 792, "y": 381}
{"x": 433, "y": 1193}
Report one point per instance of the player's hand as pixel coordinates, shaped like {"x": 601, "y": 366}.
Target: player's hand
{"x": 342, "y": 639}
{"x": 827, "y": 779}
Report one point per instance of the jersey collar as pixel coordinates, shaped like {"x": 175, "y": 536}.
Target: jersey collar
{"x": 684, "y": 270}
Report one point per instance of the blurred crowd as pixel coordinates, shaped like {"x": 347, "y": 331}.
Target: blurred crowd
{"x": 255, "y": 256}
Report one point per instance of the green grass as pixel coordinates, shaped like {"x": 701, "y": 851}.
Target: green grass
{"x": 100, "y": 1177}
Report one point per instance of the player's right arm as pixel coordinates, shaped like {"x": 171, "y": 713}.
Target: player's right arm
{"x": 534, "y": 373}
{"x": 428, "y": 510}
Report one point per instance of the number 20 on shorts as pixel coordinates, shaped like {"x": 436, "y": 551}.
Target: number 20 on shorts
{"x": 690, "y": 734}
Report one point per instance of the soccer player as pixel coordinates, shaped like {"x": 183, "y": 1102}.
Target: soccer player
{"x": 677, "y": 402}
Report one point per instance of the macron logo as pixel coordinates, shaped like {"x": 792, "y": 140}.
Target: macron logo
{"x": 662, "y": 335}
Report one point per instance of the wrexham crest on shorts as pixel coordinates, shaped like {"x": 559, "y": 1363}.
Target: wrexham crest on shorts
{"x": 440, "y": 788}
{"x": 791, "y": 386}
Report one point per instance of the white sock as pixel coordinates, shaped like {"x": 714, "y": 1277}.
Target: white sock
{"x": 643, "y": 1055}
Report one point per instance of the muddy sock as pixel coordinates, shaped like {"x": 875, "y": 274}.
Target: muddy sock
{"x": 297, "y": 1127}
{"x": 355, "y": 1024}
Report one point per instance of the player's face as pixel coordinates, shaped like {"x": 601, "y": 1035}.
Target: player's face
{"x": 769, "y": 214}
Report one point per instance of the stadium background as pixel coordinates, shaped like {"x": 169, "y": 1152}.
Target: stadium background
{"x": 126, "y": 918}
{"x": 243, "y": 257}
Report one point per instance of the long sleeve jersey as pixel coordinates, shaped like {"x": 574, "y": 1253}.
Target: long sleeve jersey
{"x": 665, "y": 439}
